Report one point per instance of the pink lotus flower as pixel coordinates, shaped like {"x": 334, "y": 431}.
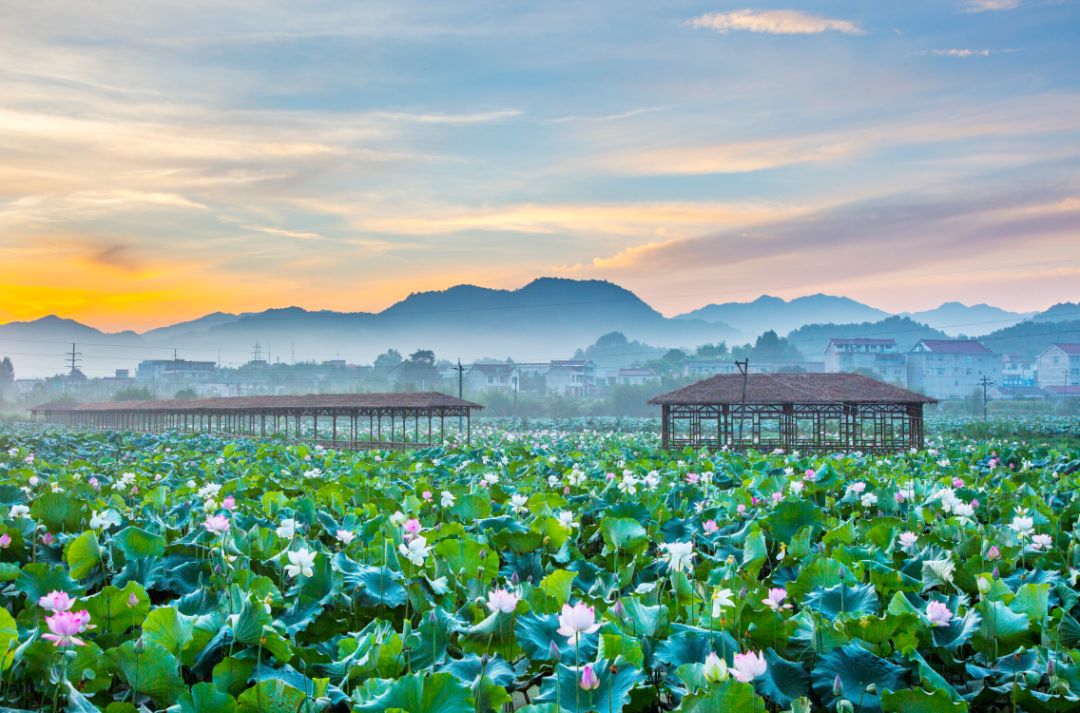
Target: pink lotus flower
{"x": 899, "y": 496}
{"x": 775, "y": 600}
{"x": 426, "y": 495}
{"x": 229, "y": 503}
{"x": 577, "y": 620}
{"x": 809, "y": 474}
{"x": 64, "y": 627}
{"x": 609, "y": 476}
{"x": 754, "y": 500}
{"x": 957, "y": 482}
{"x": 777, "y": 497}
{"x": 993, "y": 553}
{"x": 217, "y": 524}
{"x": 938, "y": 614}
{"x": 47, "y": 538}
{"x": 5, "y": 541}
{"x": 908, "y": 539}
{"x": 741, "y": 509}
{"x": 589, "y": 679}
{"x": 56, "y": 601}
{"x": 746, "y": 667}
{"x": 94, "y": 483}
{"x": 501, "y": 600}
{"x": 710, "y": 526}
{"x": 412, "y": 528}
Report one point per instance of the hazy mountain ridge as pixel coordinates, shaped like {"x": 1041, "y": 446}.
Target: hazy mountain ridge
{"x": 547, "y": 318}
{"x": 782, "y": 316}
{"x": 956, "y": 318}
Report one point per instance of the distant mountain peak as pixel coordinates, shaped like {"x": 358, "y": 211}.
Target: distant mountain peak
{"x": 780, "y": 315}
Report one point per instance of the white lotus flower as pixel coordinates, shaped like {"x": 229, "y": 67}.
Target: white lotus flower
{"x": 300, "y": 563}
{"x": 287, "y": 529}
{"x": 1023, "y": 526}
{"x": 715, "y": 668}
{"x": 678, "y": 555}
{"x": 415, "y": 551}
{"x": 446, "y": 499}
{"x": 566, "y": 518}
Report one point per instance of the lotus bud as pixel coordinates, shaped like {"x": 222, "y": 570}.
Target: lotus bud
{"x": 431, "y": 617}
{"x": 1051, "y": 667}
{"x": 871, "y": 688}
{"x": 844, "y": 706}
{"x": 514, "y": 579}
{"x": 483, "y": 554}
{"x": 618, "y": 609}
{"x": 589, "y": 679}
{"x": 743, "y": 592}
{"x": 837, "y": 686}
{"x": 132, "y": 600}
{"x": 996, "y": 573}
{"x": 484, "y": 659}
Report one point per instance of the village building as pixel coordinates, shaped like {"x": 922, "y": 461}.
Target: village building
{"x": 1059, "y": 365}
{"x": 951, "y": 368}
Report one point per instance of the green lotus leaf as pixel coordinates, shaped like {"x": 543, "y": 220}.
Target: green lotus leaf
{"x": 148, "y": 669}
{"x": 863, "y": 677}
{"x": 417, "y": 693}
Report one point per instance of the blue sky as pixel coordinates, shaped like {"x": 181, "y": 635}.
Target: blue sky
{"x": 160, "y": 160}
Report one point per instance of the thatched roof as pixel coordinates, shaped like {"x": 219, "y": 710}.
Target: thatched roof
{"x": 790, "y": 388}
{"x": 418, "y": 400}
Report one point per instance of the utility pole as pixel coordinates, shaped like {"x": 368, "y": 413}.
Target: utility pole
{"x": 985, "y": 383}
{"x": 460, "y": 388}
{"x": 73, "y": 361}
{"x": 744, "y": 369}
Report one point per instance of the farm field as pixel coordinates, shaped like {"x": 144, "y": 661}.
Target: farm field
{"x": 538, "y": 569}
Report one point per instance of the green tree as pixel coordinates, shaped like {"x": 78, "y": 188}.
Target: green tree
{"x": 134, "y": 393}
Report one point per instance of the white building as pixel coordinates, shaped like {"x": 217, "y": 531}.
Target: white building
{"x": 1059, "y": 365}
{"x": 951, "y": 368}
{"x": 874, "y": 355}
{"x": 571, "y": 377}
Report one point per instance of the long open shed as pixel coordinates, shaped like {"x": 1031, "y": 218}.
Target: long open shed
{"x": 353, "y": 421}
{"x": 806, "y": 412}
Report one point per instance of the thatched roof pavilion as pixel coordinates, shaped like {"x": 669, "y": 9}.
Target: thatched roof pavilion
{"x": 388, "y": 420}
{"x": 808, "y": 412}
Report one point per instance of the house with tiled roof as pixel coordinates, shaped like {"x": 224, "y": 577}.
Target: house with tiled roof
{"x": 951, "y": 368}
{"x": 1059, "y": 365}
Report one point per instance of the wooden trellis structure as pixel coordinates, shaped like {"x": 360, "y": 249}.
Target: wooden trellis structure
{"x": 347, "y": 421}
{"x": 803, "y": 412}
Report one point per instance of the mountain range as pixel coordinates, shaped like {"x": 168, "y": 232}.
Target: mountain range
{"x": 547, "y": 318}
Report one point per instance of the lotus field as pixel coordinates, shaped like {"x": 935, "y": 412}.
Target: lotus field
{"x": 535, "y": 570}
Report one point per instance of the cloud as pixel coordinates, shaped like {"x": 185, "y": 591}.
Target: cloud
{"x": 700, "y": 157}
{"x": 864, "y": 238}
{"x": 956, "y": 52}
{"x": 773, "y": 22}
{"x": 482, "y": 117}
{"x": 990, "y": 5}
{"x": 608, "y": 117}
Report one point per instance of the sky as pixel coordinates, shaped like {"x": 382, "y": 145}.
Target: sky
{"x": 162, "y": 160}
